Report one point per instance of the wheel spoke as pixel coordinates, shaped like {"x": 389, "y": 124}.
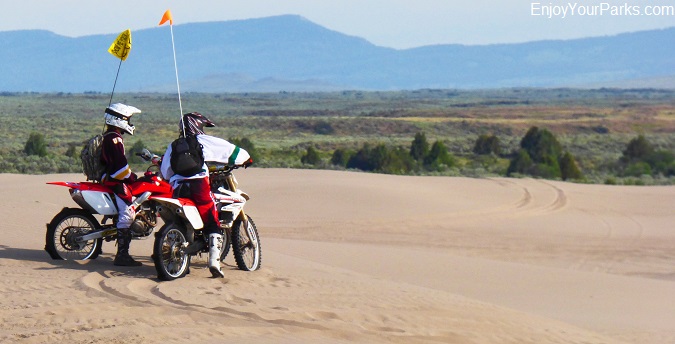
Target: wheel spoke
{"x": 246, "y": 245}
{"x": 65, "y": 234}
{"x": 173, "y": 260}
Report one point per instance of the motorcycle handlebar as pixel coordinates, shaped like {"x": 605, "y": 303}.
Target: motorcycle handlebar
{"x": 220, "y": 167}
{"x": 146, "y": 155}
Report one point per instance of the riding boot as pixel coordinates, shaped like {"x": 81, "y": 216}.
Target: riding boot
{"x": 215, "y": 247}
{"x": 122, "y": 258}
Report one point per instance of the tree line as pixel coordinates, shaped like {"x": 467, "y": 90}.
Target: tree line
{"x": 539, "y": 154}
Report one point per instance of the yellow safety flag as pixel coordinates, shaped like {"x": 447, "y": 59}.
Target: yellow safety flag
{"x": 122, "y": 45}
{"x": 166, "y": 17}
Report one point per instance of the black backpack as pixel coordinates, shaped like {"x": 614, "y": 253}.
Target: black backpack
{"x": 187, "y": 158}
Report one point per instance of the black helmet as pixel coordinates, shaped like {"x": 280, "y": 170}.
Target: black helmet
{"x": 194, "y": 124}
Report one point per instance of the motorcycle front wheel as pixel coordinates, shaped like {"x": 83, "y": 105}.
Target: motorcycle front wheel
{"x": 226, "y": 246}
{"x": 168, "y": 253}
{"x": 246, "y": 245}
{"x": 63, "y": 231}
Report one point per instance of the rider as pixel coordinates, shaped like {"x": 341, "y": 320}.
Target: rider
{"x": 196, "y": 186}
{"x": 118, "y": 175}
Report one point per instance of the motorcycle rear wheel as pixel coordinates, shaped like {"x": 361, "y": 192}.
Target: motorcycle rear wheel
{"x": 168, "y": 254}
{"x": 247, "y": 252}
{"x": 63, "y": 230}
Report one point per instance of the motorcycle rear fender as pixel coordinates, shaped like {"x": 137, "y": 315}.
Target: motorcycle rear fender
{"x": 182, "y": 207}
{"x": 93, "y": 197}
{"x": 83, "y": 186}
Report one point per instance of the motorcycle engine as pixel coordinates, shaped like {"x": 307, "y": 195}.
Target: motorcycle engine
{"x": 144, "y": 223}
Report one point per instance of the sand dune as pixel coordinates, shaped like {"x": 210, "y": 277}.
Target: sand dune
{"x": 355, "y": 257}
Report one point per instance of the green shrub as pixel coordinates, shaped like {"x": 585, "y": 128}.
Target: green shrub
{"x": 363, "y": 159}
{"x": 311, "y": 157}
{"x": 324, "y": 128}
{"x": 438, "y": 158}
{"x": 638, "y": 149}
{"x": 541, "y": 145}
{"x": 522, "y": 163}
{"x": 640, "y": 158}
{"x": 569, "y": 168}
{"x": 662, "y": 161}
{"x": 487, "y": 144}
{"x": 637, "y": 169}
{"x": 341, "y": 157}
{"x": 548, "y": 170}
{"x": 73, "y": 151}
{"x": 419, "y": 147}
{"x": 541, "y": 155}
{"x": 36, "y": 145}
{"x": 381, "y": 159}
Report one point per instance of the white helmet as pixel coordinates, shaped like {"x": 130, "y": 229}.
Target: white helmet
{"x": 119, "y": 115}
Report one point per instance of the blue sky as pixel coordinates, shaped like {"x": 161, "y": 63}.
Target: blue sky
{"x": 391, "y": 23}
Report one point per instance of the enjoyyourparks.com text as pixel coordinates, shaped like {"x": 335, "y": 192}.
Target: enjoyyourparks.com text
{"x": 571, "y": 9}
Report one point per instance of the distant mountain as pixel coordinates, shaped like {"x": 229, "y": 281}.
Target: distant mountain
{"x": 290, "y": 53}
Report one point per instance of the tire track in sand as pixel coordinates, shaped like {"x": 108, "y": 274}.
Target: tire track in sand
{"x": 230, "y": 307}
{"x": 537, "y": 198}
{"x": 149, "y": 292}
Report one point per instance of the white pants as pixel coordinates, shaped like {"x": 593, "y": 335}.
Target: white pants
{"x": 126, "y": 214}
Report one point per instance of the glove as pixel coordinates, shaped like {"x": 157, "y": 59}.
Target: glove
{"x": 248, "y": 163}
{"x": 132, "y": 177}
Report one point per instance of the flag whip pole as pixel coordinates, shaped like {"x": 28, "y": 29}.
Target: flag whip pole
{"x": 168, "y": 17}
{"x": 115, "y": 84}
{"x": 175, "y": 67}
{"x": 120, "y": 48}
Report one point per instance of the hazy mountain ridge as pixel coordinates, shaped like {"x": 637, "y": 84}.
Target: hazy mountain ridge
{"x": 293, "y": 54}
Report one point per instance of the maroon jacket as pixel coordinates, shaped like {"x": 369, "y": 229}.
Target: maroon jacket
{"x": 113, "y": 157}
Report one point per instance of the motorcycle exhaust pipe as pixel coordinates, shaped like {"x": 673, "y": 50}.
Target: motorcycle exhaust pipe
{"x": 140, "y": 199}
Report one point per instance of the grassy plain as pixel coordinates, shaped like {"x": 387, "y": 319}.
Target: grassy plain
{"x": 594, "y": 125}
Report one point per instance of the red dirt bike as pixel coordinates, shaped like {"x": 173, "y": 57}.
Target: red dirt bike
{"x": 76, "y": 234}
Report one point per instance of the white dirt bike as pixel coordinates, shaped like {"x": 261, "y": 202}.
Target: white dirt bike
{"x": 182, "y": 237}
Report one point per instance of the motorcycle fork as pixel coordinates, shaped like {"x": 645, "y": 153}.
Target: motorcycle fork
{"x": 244, "y": 218}
{"x": 249, "y": 229}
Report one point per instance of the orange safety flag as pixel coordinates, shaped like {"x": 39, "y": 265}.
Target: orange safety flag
{"x": 165, "y": 17}
{"x": 121, "y": 46}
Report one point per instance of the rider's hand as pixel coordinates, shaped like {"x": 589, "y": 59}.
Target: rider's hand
{"x": 248, "y": 163}
{"x": 132, "y": 177}
{"x": 156, "y": 160}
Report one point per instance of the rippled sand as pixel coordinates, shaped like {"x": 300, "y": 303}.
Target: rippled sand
{"x": 355, "y": 257}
